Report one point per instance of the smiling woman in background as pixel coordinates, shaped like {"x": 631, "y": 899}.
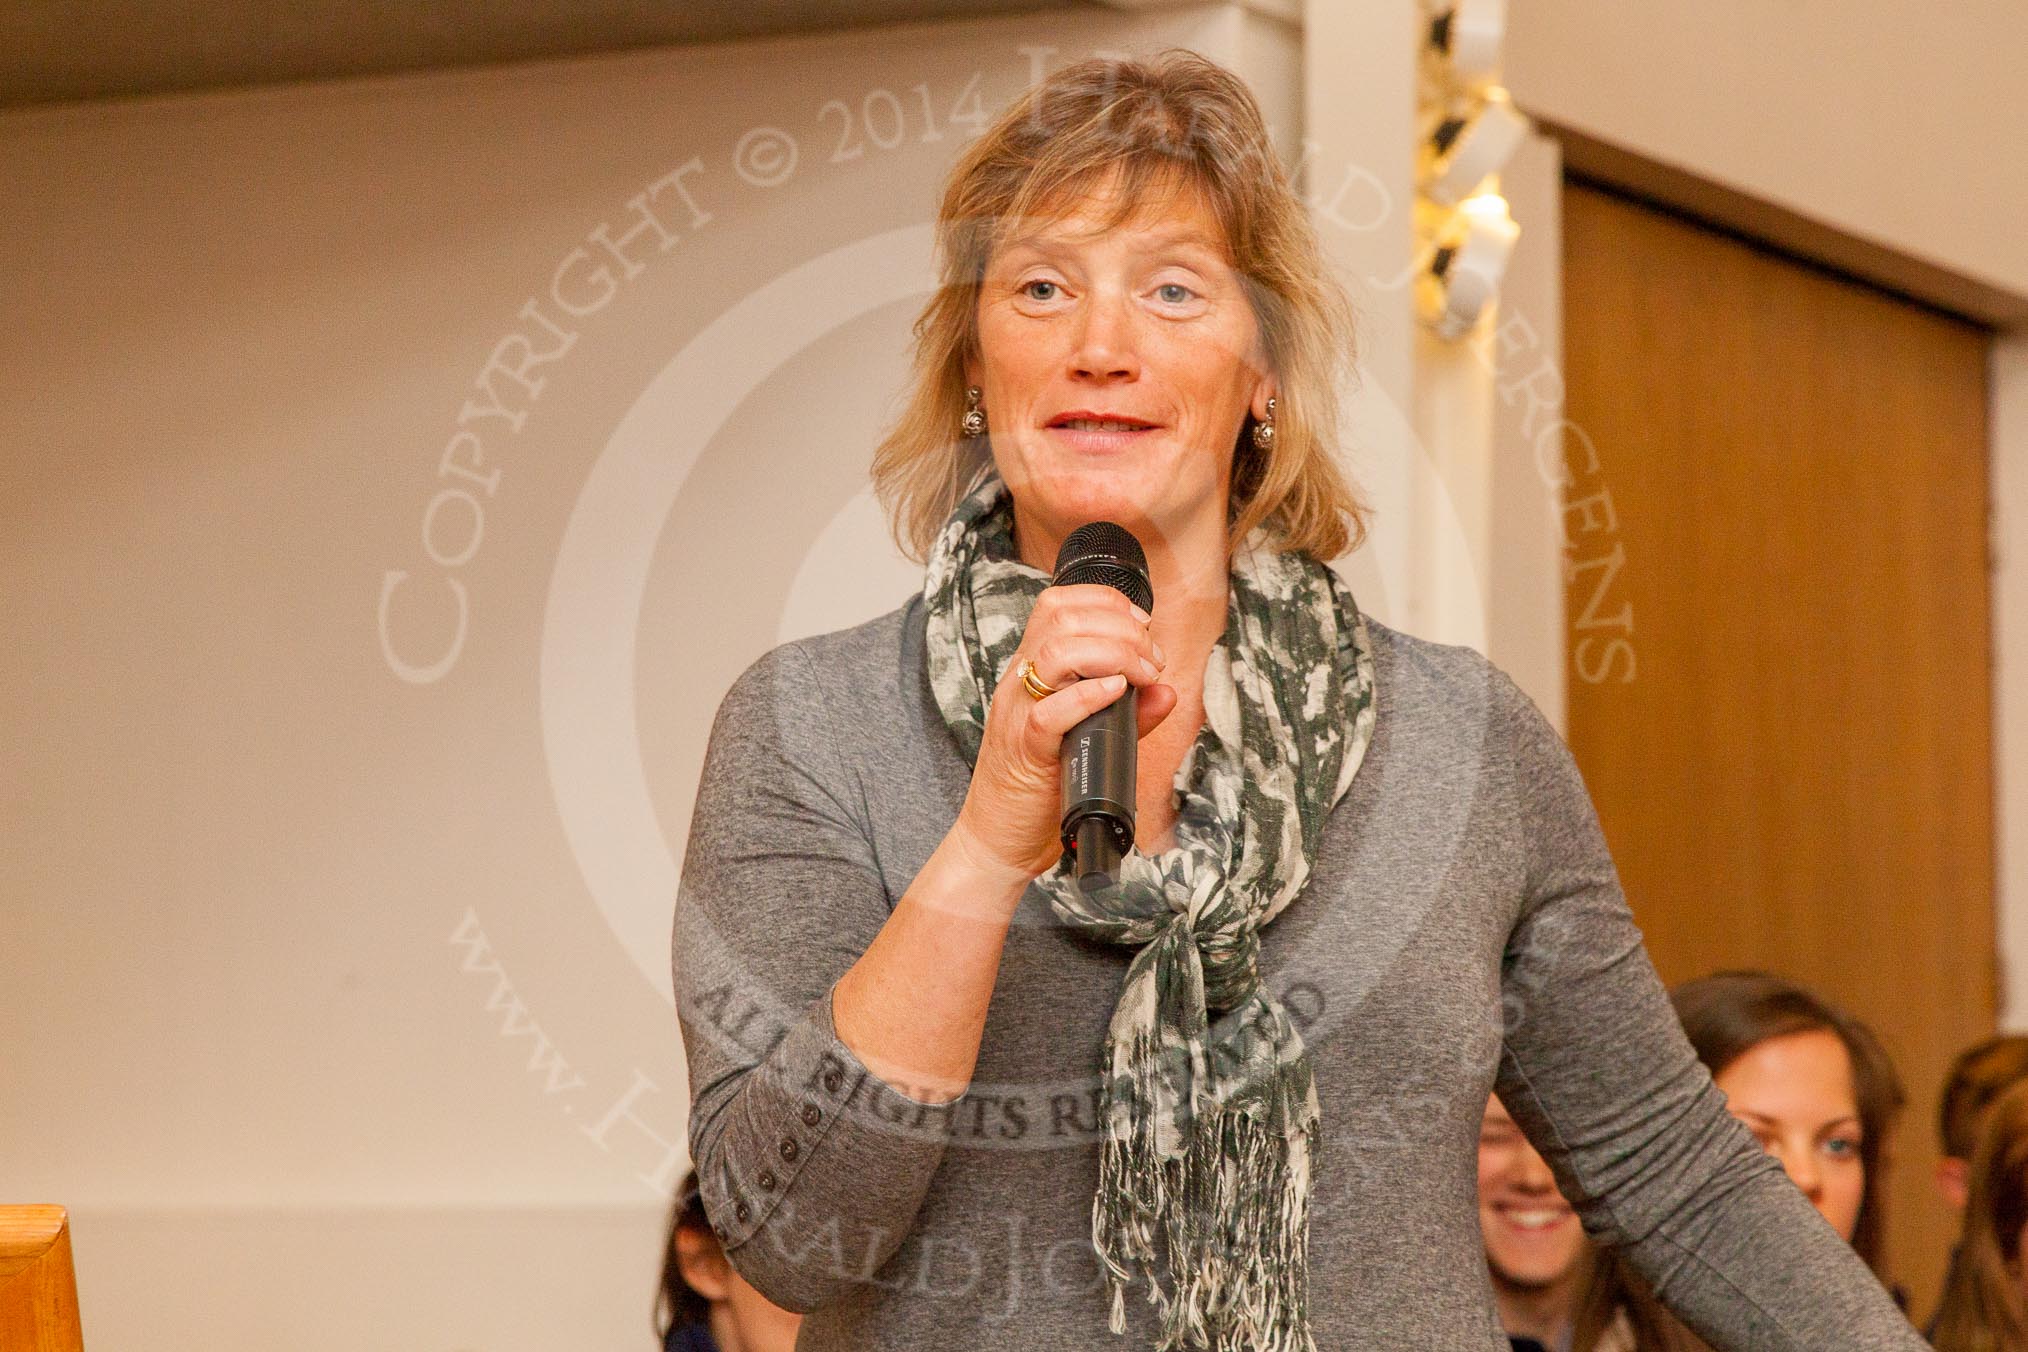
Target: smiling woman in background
{"x": 1814, "y": 1086}
{"x": 1535, "y": 1248}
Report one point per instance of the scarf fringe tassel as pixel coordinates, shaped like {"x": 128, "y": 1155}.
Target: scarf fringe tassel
{"x": 1240, "y": 1285}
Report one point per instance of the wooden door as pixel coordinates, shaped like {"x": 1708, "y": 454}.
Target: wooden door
{"x": 1777, "y": 599}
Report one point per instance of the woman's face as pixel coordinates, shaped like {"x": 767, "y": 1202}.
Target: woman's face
{"x": 1147, "y": 322}
{"x": 1796, "y": 1094}
{"x": 1533, "y": 1238}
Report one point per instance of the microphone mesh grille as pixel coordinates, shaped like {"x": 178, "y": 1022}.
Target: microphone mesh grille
{"x": 1107, "y": 554}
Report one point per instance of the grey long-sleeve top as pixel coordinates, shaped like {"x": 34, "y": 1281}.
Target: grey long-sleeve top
{"x": 1463, "y": 930}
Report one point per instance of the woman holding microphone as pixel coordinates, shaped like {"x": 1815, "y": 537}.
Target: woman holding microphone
{"x": 944, "y": 1097}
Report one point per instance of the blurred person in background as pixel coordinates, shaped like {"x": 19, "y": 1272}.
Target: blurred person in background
{"x": 704, "y": 1305}
{"x": 1983, "y": 1308}
{"x": 1981, "y": 1073}
{"x": 1817, "y": 1089}
{"x": 1535, "y": 1245}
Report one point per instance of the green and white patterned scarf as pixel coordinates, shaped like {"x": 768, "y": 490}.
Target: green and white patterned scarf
{"x": 1211, "y": 1127}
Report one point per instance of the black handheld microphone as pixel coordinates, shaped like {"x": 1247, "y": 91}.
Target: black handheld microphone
{"x": 1099, "y": 753}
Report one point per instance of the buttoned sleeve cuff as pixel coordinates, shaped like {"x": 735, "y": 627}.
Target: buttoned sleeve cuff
{"x": 813, "y": 1148}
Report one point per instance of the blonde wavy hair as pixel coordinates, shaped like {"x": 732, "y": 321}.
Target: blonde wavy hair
{"x": 1176, "y": 119}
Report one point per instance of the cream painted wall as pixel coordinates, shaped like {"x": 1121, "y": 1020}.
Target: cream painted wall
{"x": 397, "y": 473}
{"x": 1871, "y": 118}
{"x": 1422, "y": 413}
{"x": 1528, "y": 480}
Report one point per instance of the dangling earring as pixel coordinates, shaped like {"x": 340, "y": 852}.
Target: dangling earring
{"x": 1264, "y": 432}
{"x": 974, "y": 421}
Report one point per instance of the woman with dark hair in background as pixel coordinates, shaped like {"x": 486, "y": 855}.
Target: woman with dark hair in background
{"x": 1814, "y": 1085}
{"x": 1984, "y": 1308}
{"x": 703, "y": 1304}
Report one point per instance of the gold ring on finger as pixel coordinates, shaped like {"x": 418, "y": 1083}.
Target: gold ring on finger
{"x": 1035, "y": 684}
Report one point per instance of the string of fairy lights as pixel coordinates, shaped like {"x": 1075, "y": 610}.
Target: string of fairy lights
{"x": 1467, "y": 129}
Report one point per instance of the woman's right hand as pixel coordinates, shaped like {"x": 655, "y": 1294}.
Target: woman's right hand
{"x": 1084, "y": 638}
